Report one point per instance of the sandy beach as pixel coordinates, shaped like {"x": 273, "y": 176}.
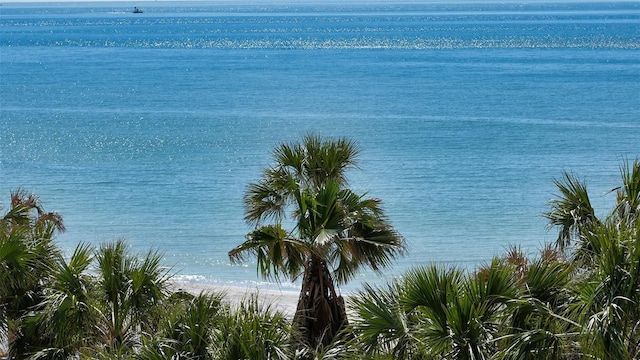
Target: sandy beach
{"x": 285, "y": 301}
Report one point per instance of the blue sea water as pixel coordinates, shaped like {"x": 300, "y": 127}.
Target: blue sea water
{"x": 149, "y": 126}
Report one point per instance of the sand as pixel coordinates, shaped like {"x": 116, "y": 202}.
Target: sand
{"x": 284, "y": 301}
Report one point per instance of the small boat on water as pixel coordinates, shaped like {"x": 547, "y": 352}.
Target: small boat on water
{"x": 137, "y": 11}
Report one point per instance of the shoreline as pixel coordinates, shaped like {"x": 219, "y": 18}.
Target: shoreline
{"x": 281, "y": 300}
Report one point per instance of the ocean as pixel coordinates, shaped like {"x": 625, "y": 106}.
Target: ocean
{"x": 149, "y": 126}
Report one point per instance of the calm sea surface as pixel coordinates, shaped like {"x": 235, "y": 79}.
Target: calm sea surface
{"x": 149, "y": 126}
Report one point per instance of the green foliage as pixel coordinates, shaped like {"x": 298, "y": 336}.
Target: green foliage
{"x": 628, "y": 208}
{"x": 435, "y": 313}
{"x": 189, "y": 329}
{"x": 571, "y": 210}
{"x": 605, "y": 290}
{"x": 130, "y": 291}
{"x": 68, "y": 316}
{"x": 382, "y": 326}
{"x": 607, "y": 298}
{"x": 27, "y": 255}
{"x": 577, "y": 300}
{"x": 253, "y": 331}
{"x": 534, "y": 327}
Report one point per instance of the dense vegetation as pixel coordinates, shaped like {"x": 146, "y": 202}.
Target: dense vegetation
{"x": 577, "y": 299}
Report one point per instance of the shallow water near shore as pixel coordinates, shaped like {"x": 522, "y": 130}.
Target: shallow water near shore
{"x": 149, "y": 126}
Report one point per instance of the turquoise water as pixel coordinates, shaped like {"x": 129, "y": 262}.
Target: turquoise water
{"x": 149, "y": 126}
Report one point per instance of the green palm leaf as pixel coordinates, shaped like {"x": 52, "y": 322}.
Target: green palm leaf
{"x": 252, "y": 331}
{"x": 69, "y": 316}
{"x": 131, "y": 287}
{"x": 607, "y": 299}
{"x": 628, "y": 207}
{"x": 27, "y": 257}
{"x": 537, "y": 327}
{"x": 381, "y": 324}
{"x": 571, "y": 211}
{"x": 276, "y": 252}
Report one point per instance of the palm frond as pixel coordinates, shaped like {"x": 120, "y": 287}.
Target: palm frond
{"x": 628, "y": 207}
{"x": 69, "y": 316}
{"x": 374, "y": 248}
{"x": 252, "y": 331}
{"x": 366, "y": 238}
{"x": 429, "y": 292}
{"x": 381, "y": 324}
{"x": 28, "y": 202}
{"x": 291, "y": 156}
{"x": 189, "y": 330}
{"x": 322, "y": 215}
{"x": 548, "y": 280}
{"x": 607, "y": 299}
{"x": 493, "y": 287}
{"x": 16, "y": 261}
{"x": 325, "y": 160}
{"x": 276, "y": 252}
{"x": 131, "y": 287}
{"x": 268, "y": 199}
{"x": 475, "y": 313}
{"x": 18, "y": 215}
{"x": 571, "y": 211}
{"x": 149, "y": 285}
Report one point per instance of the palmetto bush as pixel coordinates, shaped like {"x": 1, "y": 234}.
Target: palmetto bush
{"x": 606, "y": 253}
{"x": 102, "y": 313}
{"x": 607, "y": 299}
{"x": 253, "y": 331}
{"x": 68, "y": 318}
{"x": 534, "y": 326}
{"x": 205, "y": 327}
{"x": 188, "y": 329}
{"x": 51, "y": 308}
{"x": 435, "y": 312}
{"x": 27, "y": 256}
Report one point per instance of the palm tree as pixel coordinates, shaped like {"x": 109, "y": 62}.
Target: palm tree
{"x": 535, "y": 326}
{"x": 103, "y": 315}
{"x": 607, "y": 298}
{"x": 571, "y": 211}
{"x": 607, "y": 255}
{"x": 27, "y": 253}
{"x": 335, "y": 230}
{"x": 65, "y": 324}
{"x": 130, "y": 290}
{"x": 574, "y": 215}
{"x": 628, "y": 207}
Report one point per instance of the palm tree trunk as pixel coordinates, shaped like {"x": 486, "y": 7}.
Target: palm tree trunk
{"x": 11, "y": 338}
{"x": 321, "y": 314}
